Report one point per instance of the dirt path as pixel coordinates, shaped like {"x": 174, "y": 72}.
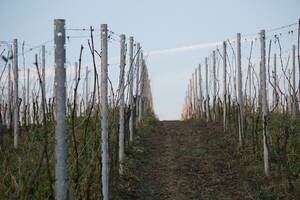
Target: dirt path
{"x": 185, "y": 160}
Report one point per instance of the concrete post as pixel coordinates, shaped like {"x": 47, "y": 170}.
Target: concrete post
{"x": 200, "y": 92}
{"x": 86, "y": 89}
{"x": 137, "y": 79}
{"x": 16, "y": 93}
{"x": 27, "y": 97}
{"x": 60, "y": 110}
{"x": 193, "y": 94}
{"x": 122, "y": 103}
{"x": 131, "y": 103}
{"x": 250, "y": 85}
{"x": 141, "y": 87}
{"x": 294, "y": 97}
{"x": 207, "y": 91}
{"x": 104, "y": 108}
{"x": 43, "y": 77}
{"x": 240, "y": 92}
{"x": 224, "y": 87}
{"x": 9, "y": 91}
{"x": 265, "y": 107}
{"x": 214, "y": 86}
{"x": 275, "y": 98}
{"x": 75, "y": 95}
{"x": 196, "y": 93}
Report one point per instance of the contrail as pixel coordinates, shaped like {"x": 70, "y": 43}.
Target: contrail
{"x": 183, "y": 49}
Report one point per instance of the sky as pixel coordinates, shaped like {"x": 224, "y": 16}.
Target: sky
{"x": 192, "y": 27}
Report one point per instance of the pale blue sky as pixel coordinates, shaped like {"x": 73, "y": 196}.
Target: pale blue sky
{"x": 156, "y": 24}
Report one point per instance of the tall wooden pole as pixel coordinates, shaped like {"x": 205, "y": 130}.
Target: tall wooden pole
{"x": 60, "y": 110}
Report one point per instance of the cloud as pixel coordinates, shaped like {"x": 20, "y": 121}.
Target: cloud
{"x": 183, "y": 49}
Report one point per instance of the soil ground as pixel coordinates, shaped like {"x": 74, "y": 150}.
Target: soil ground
{"x": 189, "y": 160}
